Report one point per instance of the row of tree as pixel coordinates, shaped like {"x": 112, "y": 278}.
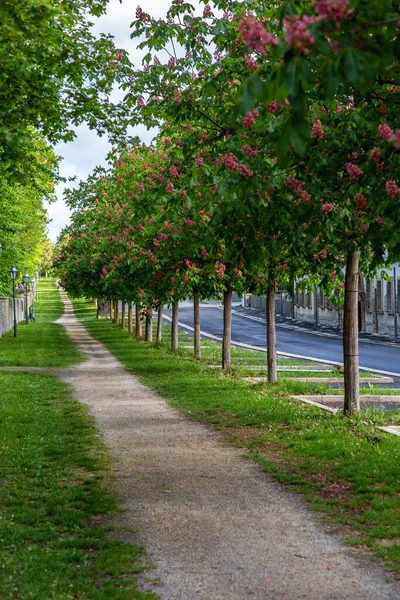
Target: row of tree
{"x": 54, "y": 74}
{"x": 277, "y": 159}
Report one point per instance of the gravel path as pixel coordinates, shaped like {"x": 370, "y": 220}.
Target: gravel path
{"x": 214, "y": 525}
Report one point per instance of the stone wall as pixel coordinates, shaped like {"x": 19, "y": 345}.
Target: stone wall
{"x": 6, "y": 313}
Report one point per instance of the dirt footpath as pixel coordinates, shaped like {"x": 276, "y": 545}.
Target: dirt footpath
{"x": 214, "y": 525}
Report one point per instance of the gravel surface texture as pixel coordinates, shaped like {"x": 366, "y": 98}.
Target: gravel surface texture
{"x": 214, "y": 525}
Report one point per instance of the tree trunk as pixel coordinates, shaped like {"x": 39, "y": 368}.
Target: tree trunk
{"x": 159, "y": 322}
{"x": 350, "y": 337}
{"x": 111, "y": 309}
{"x": 149, "y": 325}
{"x": 130, "y": 318}
{"x": 196, "y": 317}
{"x": 174, "y": 330}
{"x": 271, "y": 333}
{"x": 227, "y": 336}
{"x": 123, "y": 315}
{"x": 138, "y": 321}
{"x": 116, "y": 311}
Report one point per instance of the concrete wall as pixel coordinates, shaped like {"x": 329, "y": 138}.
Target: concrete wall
{"x": 6, "y": 313}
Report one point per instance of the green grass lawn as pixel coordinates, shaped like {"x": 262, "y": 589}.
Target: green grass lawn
{"x": 42, "y": 343}
{"x": 345, "y": 467}
{"x": 56, "y": 493}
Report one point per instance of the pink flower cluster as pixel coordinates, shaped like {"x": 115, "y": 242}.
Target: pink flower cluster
{"x": 220, "y": 269}
{"x": 231, "y": 163}
{"x": 327, "y": 207}
{"x": 249, "y": 151}
{"x": 332, "y": 9}
{"x": 250, "y": 118}
{"x": 317, "y": 131}
{"x": 298, "y": 188}
{"x": 173, "y": 171}
{"x": 250, "y": 62}
{"x": 361, "y": 202}
{"x": 255, "y": 36}
{"x": 199, "y": 162}
{"x": 297, "y": 32}
{"x": 273, "y": 107}
{"x": 353, "y": 171}
{"x": 385, "y": 132}
{"x": 163, "y": 237}
{"x": 379, "y": 221}
{"x": 207, "y": 12}
{"x": 170, "y": 187}
{"x": 375, "y": 155}
{"x": 392, "y": 188}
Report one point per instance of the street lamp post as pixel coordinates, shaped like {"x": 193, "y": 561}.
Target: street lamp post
{"x": 33, "y": 297}
{"x": 37, "y": 285}
{"x": 26, "y": 282}
{"x": 13, "y": 275}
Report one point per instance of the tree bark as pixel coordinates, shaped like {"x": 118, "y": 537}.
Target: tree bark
{"x": 116, "y": 312}
{"x": 130, "y": 318}
{"x": 123, "y": 315}
{"x": 138, "y": 321}
{"x": 227, "y": 335}
{"x": 159, "y": 322}
{"x": 271, "y": 333}
{"x": 149, "y": 325}
{"x": 174, "y": 329}
{"x": 196, "y": 318}
{"x": 111, "y": 309}
{"x": 350, "y": 336}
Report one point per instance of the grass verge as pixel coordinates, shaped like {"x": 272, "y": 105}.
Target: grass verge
{"x": 344, "y": 467}
{"x": 42, "y": 343}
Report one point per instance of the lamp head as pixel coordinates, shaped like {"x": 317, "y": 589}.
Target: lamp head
{"x": 13, "y": 273}
{"x": 26, "y": 278}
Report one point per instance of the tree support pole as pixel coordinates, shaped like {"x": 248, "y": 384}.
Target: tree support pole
{"x": 174, "y": 330}
{"x": 196, "y": 318}
{"x": 159, "y": 322}
{"x": 130, "y": 318}
{"x": 138, "y": 321}
{"x": 227, "y": 335}
{"x": 350, "y": 336}
{"x": 271, "y": 332}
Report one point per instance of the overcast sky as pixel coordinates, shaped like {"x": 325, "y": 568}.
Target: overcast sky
{"x": 87, "y": 151}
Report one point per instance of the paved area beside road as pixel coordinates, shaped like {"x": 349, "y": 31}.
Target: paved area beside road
{"x": 214, "y": 525}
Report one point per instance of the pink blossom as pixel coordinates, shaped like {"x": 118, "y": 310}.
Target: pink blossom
{"x": 392, "y": 188}
{"x": 375, "y": 154}
{"x": 385, "y": 132}
{"x": 230, "y": 161}
{"x": 163, "y": 236}
{"x": 207, "y": 12}
{"x": 317, "y": 130}
{"x": 250, "y": 62}
{"x": 395, "y": 138}
{"x": 199, "y": 162}
{"x": 333, "y": 275}
{"x": 170, "y": 187}
{"x": 255, "y": 36}
{"x": 244, "y": 171}
{"x": 379, "y": 221}
{"x": 332, "y": 9}
{"x": 297, "y": 32}
{"x": 361, "y": 202}
{"x": 190, "y": 222}
{"x": 171, "y": 62}
{"x": 364, "y": 228}
{"x": 105, "y": 271}
{"x": 327, "y": 207}
{"x": 250, "y": 118}
{"x": 156, "y": 242}
{"x": 140, "y": 102}
{"x": 173, "y": 171}
{"x": 249, "y": 151}
{"x": 273, "y": 107}
{"x": 353, "y": 171}
{"x": 120, "y": 181}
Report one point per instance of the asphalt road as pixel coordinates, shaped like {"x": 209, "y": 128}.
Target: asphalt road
{"x": 378, "y": 356}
